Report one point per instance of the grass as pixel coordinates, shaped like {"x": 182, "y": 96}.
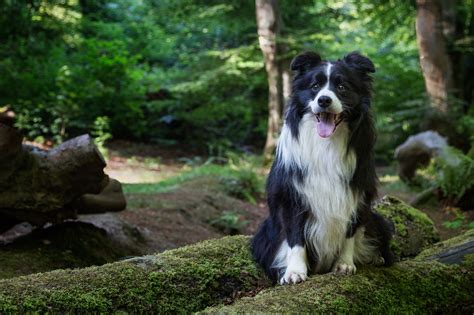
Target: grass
{"x": 232, "y": 169}
{"x": 390, "y": 181}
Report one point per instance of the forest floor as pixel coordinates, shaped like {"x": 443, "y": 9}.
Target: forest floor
{"x": 135, "y": 165}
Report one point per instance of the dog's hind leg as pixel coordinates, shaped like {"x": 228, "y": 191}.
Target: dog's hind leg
{"x": 345, "y": 262}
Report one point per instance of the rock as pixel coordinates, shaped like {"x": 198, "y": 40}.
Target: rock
{"x": 41, "y": 186}
{"x": 110, "y": 199}
{"x": 123, "y": 234}
{"x": 72, "y": 244}
{"x": 417, "y": 151}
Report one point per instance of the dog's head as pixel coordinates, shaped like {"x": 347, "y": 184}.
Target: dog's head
{"x": 334, "y": 91}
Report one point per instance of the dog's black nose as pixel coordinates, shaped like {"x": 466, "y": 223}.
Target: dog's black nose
{"x": 324, "y": 101}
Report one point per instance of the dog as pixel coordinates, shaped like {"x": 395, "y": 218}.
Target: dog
{"x": 322, "y": 182}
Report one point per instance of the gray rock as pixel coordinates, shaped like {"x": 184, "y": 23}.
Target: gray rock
{"x": 417, "y": 152}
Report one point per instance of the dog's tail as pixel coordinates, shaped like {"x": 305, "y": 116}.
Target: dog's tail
{"x": 264, "y": 246}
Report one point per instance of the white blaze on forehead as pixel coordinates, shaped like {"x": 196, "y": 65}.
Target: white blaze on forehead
{"x": 328, "y": 72}
{"x": 336, "y": 105}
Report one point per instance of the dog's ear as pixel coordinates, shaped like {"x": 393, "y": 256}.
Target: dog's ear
{"x": 359, "y": 62}
{"x": 305, "y": 61}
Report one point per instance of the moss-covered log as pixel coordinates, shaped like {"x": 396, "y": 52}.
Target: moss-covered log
{"x": 413, "y": 229}
{"x": 185, "y": 279}
{"x": 46, "y": 186}
{"x": 190, "y": 279}
{"x": 420, "y": 285}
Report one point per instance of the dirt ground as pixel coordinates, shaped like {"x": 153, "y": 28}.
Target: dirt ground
{"x": 192, "y": 212}
{"x": 182, "y": 216}
{"x": 437, "y": 212}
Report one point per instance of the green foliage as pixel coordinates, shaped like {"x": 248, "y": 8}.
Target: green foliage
{"x": 191, "y": 70}
{"x": 101, "y": 133}
{"x": 455, "y": 173}
{"x": 238, "y": 177}
{"x": 230, "y": 222}
{"x": 245, "y": 185}
{"x": 459, "y": 222}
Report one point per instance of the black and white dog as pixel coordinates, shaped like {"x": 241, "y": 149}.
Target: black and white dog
{"x": 323, "y": 180}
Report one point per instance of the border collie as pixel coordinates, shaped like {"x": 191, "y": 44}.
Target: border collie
{"x": 323, "y": 182}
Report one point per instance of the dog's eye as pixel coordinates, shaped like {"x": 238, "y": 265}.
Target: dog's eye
{"x": 315, "y": 86}
{"x": 341, "y": 88}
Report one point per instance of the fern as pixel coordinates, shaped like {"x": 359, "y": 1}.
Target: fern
{"x": 455, "y": 173}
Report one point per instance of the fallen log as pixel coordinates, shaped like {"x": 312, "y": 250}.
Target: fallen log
{"x": 210, "y": 273}
{"x": 41, "y": 186}
{"x": 426, "y": 284}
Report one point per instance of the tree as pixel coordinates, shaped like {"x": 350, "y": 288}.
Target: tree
{"x": 443, "y": 30}
{"x": 268, "y": 28}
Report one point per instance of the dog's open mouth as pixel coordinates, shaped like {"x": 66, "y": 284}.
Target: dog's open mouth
{"x": 327, "y": 123}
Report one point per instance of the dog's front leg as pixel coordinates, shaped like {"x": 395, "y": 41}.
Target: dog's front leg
{"x": 296, "y": 256}
{"x": 297, "y": 268}
{"x": 345, "y": 262}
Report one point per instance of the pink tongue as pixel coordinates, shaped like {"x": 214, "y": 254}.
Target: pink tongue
{"x": 326, "y": 125}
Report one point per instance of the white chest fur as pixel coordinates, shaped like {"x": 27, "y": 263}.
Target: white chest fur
{"x": 328, "y": 169}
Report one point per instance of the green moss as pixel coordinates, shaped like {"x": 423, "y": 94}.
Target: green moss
{"x": 413, "y": 229}
{"x": 409, "y": 287}
{"x": 182, "y": 280}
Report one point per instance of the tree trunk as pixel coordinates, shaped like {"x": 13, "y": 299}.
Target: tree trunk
{"x": 191, "y": 278}
{"x": 434, "y": 59}
{"x": 286, "y": 83}
{"x": 41, "y": 186}
{"x": 268, "y": 23}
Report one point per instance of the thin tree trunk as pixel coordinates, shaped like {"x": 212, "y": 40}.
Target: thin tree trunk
{"x": 434, "y": 58}
{"x": 268, "y": 22}
{"x": 286, "y": 82}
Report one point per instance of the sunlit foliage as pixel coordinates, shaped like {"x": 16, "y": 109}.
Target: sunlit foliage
{"x": 190, "y": 71}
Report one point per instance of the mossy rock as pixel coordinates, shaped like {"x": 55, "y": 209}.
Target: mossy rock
{"x": 413, "y": 229}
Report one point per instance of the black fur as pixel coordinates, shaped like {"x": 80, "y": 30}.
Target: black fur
{"x": 287, "y": 212}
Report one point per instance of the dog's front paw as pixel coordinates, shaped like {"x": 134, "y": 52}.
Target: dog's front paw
{"x": 294, "y": 276}
{"x": 344, "y": 268}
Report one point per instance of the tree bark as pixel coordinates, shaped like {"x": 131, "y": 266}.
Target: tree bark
{"x": 435, "y": 62}
{"x": 268, "y": 23}
{"x": 286, "y": 83}
{"x": 191, "y": 278}
{"x": 40, "y": 186}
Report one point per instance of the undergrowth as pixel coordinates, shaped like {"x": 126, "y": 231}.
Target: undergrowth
{"x": 239, "y": 177}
